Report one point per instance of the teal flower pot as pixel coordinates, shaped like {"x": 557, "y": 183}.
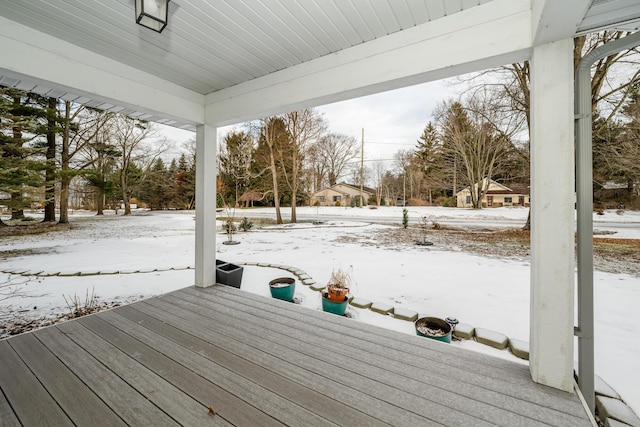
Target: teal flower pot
{"x": 334, "y": 307}
{"x": 283, "y": 288}
{"x": 434, "y": 328}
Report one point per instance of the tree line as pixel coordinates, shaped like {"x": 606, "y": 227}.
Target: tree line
{"x": 57, "y": 153}
{"x": 52, "y": 149}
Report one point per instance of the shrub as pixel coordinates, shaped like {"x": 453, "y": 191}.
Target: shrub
{"x": 405, "y": 218}
{"x": 229, "y": 227}
{"x": 245, "y": 224}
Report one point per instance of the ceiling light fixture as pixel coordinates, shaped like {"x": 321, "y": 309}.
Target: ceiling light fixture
{"x": 152, "y": 14}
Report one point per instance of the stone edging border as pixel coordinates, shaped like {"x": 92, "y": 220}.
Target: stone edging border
{"x": 497, "y": 340}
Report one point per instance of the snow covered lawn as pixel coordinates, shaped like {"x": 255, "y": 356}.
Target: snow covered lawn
{"x": 443, "y": 280}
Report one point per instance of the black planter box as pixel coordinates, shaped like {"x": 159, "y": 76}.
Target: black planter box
{"x": 229, "y": 274}
{"x": 219, "y": 263}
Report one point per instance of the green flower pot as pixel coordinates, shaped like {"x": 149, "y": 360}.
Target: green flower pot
{"x": 426, "y": 325}
{"x": 283, "y": 288}
{"x": 334, "y": 307}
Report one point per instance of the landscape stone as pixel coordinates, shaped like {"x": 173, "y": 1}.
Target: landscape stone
{"x": 404, "y": 314}
{"x": 464, "y": 331}
{"x": 382, "y": 308}
{"x": 614, "y": 423}
{"x": 603, "y": 389}
{"x": 308, "y": 282}
{"x": 609, "y": 408}
{"x": 316, "y": 286}
{"x": 360, "y": 303}
{"x": 492, "y": 338}
{"x": 519, "y": 348}
{"x": 304, "y": 276}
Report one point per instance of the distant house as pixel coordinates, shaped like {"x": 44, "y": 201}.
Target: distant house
{"x": 497, "y": 195}
{"x": 340, "y": 195}
{"x": 611, "y": 192}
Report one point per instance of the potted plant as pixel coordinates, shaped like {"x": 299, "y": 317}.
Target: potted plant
{"x": 338, "y": 285}
{"x": 434, "y": 328}
{"x": 335, "y": 299}
{"x": 283, "y": 288}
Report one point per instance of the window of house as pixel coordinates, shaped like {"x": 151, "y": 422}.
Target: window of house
{"x": 337, "y": 198}
{"x": 508, "y": 199}
{"x": 468, "y": 200}
{"x": 320, "y": 198}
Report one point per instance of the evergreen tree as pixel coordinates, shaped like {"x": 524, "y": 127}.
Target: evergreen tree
{"x": 22, "y": 121}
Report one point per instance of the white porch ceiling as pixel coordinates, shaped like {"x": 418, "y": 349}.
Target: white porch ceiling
{"x": 214, "y": 44}
{"x": 219, "y": 46}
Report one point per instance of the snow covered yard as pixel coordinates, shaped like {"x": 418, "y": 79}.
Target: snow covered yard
{"x": 484, "y": 288}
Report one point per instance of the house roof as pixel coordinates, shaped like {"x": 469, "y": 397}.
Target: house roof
{"x": 215, "y": 50}
{"x": 357, "y": 187}
{"x": 251, "y": 195}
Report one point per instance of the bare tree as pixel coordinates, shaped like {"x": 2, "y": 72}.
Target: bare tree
{"x": 128, "y": 137}
{"x": 402, "y": 162}
{"x": 336, "y": 151}
{"x": 80, "y": 128}
{"x": 378, "y": 170}
{"x": 273, "y": 134}
{"x": 611, "y": 85}
{"x": 479, "y": 135}
{"x": 304, "y": 127}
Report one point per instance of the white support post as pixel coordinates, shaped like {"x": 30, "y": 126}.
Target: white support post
{"x": 552, "y": 215}
{"x": 206, "y": 139}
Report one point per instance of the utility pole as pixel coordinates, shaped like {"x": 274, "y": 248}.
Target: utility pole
{"x": 362, "y": 168}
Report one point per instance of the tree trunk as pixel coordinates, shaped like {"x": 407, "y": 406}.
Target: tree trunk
{"x": 64, "y": 166}
{"x": 100, "y": 204}
{"x": 294, "y": 196}
{"x": 276, "y": 196}
{"x": 527, "y": 226}
{"x": 17, "y": 214}
{"x": 50, "y": 174}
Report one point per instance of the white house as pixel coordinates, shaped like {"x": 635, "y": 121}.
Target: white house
{"x": 497, "y": 195}
{"x": 340, "y": 194}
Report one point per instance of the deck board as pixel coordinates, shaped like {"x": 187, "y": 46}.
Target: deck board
{"x": 263, "y": 378}
{"x": 131, "y": 406}
{"x": 84, "y": 408}
{"x": 258, "y": 361}
{"x": 436, "y": 387}
{"x": 435, "y": 358}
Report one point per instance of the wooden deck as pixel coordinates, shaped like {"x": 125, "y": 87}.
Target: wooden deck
{"x": 258, "y": 362}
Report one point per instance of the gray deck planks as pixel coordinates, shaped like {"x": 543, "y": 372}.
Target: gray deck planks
{"x": 7, "y": 416}
{"x": 80, "y": 404}
{"x": 397, "y": 397}
{"x": 354, "y": 398}
{"x": 415, "y": 351}
{"x": 132, "y": 407}
{"x": 336, "y": 411}
{"x": 177, "y": 405}
{"x": 263, "y": 378}
{"x": 228, "y": 406}
{"x": 262, "y": 362}
{"x": 30, "y": 401}
{"x": 438, "y": 388}
{"x": 464, "y": 398}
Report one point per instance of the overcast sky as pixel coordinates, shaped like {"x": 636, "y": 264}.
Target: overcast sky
{"x": 391, "y": 120}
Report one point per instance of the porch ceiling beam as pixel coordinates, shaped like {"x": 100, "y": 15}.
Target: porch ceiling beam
{"x": 446, "y": 47}
{"x": 50, "y": 61}
{"x": 556, "y": 20}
